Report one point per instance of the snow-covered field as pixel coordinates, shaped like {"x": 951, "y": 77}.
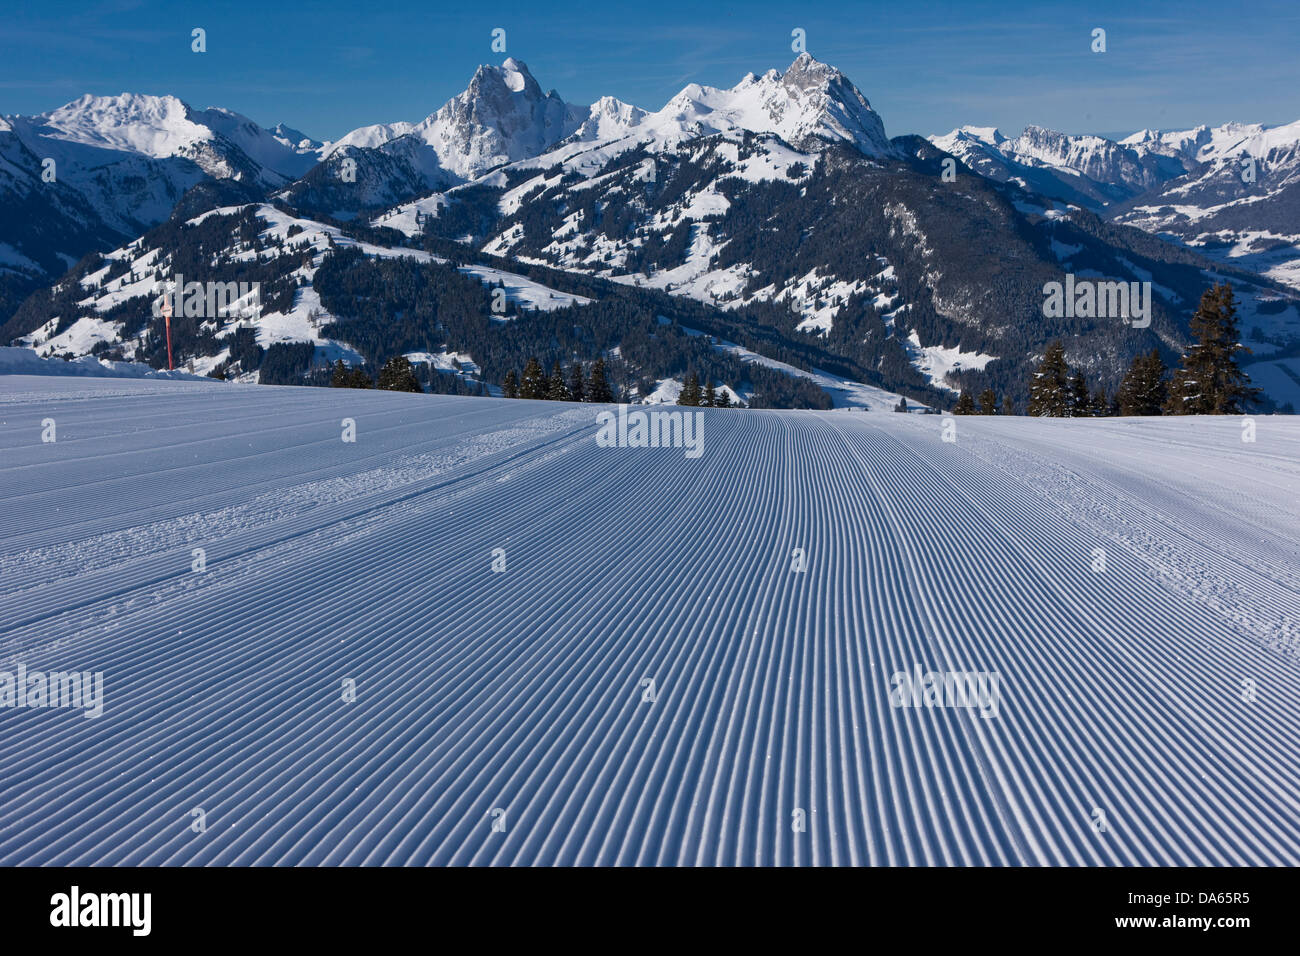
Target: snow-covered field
{"x": 648, "y": 680}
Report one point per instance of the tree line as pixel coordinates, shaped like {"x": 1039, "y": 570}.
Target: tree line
{"x": 397, "y": 375}
{"x": 1208, "y": 380}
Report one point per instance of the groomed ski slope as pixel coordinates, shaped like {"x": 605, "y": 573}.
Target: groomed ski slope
{"x": 1126, "y": 732}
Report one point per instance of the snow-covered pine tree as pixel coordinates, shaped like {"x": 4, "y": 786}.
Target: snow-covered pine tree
{"x": 988, "y": 402}
{"x": 965, "y": 404}
{"x": 1048, "y": 393}
{"x": 557, "y": 390}
{"x": 398, "y": 376}
{"x": 1209, "y": 381}
{"x": 533, "y": 383}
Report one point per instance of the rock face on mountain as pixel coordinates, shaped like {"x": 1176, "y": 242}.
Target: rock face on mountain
{"x": 501, "y": 117}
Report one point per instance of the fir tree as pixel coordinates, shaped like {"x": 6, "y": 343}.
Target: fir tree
{"x": 351, "y": 378}
{"x": 988, "y": 402}
{"x": 1210, "y": 382}
{"x": 902, "y": 404}
{"x": 710, "y": 395}
{"x": 1048, "y": 391}
{"x": 340, "y": 377}
{"x": 1078, "y": 399}
{"x": 1143, "y": 390}
{"x": 1008, "y": 406}
{"x": 510, "y": 385}
{"x": 533, "y": 384}
{"x": 557, "y": 390}
{"x": 398, "y": 376}
{"x": 598, "y": 390}
{"x": 965, "y": 404}
{"x": 690, "y": 393}
{"x": 577, "y": 391}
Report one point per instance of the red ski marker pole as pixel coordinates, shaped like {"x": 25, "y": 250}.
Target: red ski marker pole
{"x": 167, "y": 317}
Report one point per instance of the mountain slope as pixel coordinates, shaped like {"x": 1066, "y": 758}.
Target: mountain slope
{"x": 336, "y": 291}
{"x": 120, "y": 165}
{"x": 930, "y": 283}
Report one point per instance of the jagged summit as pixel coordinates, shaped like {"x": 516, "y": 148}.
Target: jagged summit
{"x": 828, "y": 105}
{"x": 504, "y": 116}
{"x": 501, "y": 117}
{"x": 810, "y": 103}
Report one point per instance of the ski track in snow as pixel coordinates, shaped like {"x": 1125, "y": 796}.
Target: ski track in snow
{"x": 522, "y": 691}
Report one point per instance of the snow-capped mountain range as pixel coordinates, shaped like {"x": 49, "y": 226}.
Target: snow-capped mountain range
{"x": 668, "y": 199}
{"x": 1090, "y": 170}
{"x": 1229, "y": 191}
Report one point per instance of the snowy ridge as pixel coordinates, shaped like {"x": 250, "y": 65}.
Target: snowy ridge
{"x": 810, "y": 101}
{"x": 162, "y": 127}
{"x": 501, "y": 117}
{"x": 523, "y": 692}
{"x": 1088, "y": 169}
{"x": 301, "y": 323}
{"x": 503, "y": 121}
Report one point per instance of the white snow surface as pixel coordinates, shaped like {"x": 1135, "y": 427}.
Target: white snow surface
{"x": 23, "y": 362}
{"x": 936, "y": 361}
{"x": 523, "y": 690}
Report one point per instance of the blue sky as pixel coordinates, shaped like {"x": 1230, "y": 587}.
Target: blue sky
{"x": 326, "y": 67}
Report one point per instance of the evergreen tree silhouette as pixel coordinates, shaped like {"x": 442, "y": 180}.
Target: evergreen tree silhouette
{"x": 577, "y": 390}
{"x": 398, "y": 376}
{"x": 557, "y": 390}
{"x": 1048, "y": 391}
{"x": 1209, "y": 381}
{"x": 598, "y": 390}
{"x": 533, "y": 384}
